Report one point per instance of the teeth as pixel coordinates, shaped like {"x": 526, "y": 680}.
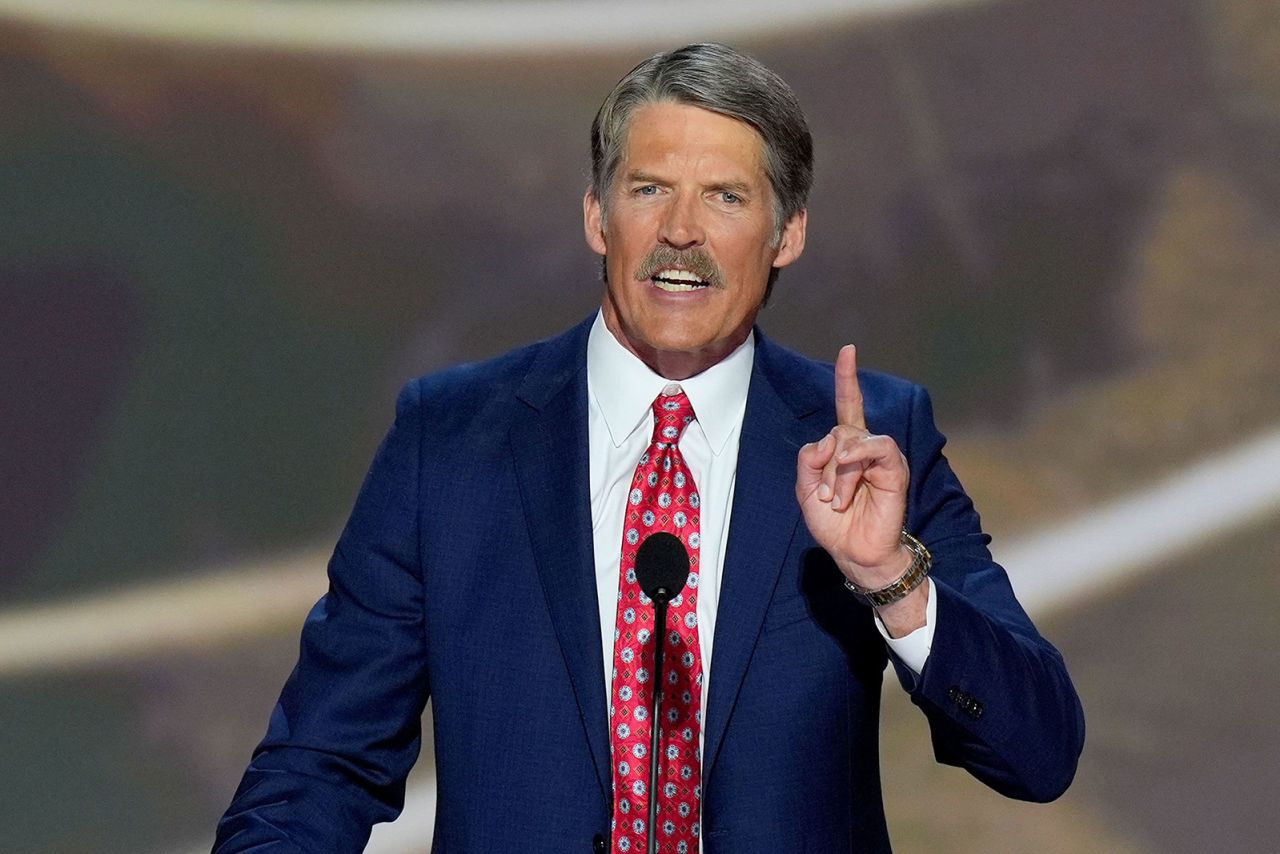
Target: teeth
{"x": 677, "y": 281}
{"x": 678, "y": 275}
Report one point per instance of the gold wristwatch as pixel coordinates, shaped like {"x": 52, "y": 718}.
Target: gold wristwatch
{"x": 921, "y": 563}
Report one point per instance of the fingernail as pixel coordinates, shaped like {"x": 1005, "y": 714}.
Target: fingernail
{"x": 824, "y": 492}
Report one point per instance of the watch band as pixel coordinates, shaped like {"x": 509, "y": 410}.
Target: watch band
{"x": 917, "y": 572}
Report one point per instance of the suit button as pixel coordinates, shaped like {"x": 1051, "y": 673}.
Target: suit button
{"x": 598, "y": 844}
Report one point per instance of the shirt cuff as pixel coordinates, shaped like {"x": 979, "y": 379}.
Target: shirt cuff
{"x": 913, "y": 649}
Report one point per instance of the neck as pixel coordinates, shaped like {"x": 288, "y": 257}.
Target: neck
{"x": 674, "y": 365}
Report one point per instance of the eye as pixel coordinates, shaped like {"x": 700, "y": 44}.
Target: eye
{"x": 730, "y": 198}
{"x": 647, "y": 190}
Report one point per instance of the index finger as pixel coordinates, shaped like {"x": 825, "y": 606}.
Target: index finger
{"x": 848, "y": 394}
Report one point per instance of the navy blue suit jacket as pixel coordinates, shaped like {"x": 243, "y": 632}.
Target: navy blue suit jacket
{"x": 466, "y": 574}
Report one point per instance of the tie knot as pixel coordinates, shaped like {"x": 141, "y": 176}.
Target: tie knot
{"x": 671, "y": 414}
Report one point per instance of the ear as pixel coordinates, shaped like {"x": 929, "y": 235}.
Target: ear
{"x": 593, "y": 222}
{"x": 792, "y": 243}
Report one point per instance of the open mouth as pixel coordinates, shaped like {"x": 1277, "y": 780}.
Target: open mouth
{"x": 675, "y": 281}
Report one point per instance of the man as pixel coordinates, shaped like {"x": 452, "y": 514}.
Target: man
{"x": 491, "y": 559}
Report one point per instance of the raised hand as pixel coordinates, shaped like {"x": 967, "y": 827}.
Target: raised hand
{"x": 852, "y": 488}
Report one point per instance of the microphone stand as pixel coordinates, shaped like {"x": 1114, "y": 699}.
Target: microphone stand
{"x": 655, "y": 712}
{"x": 662, "y": 567}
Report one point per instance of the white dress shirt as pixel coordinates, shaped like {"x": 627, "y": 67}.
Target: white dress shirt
{"x": 621, "y": 389}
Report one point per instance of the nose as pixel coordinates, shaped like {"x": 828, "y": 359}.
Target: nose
{"x": 681, "y": 226}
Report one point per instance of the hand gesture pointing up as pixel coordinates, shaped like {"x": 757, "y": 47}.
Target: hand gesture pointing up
{"x": 852, "y": 488}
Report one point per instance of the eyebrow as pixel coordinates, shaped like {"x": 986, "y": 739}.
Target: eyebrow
{"x": 740, "y": 187}
{"x": 644, "y": 177}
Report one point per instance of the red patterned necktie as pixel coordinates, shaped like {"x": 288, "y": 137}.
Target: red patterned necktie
{"x": 663, "y": 497}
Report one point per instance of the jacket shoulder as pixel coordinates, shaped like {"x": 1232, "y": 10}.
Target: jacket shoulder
{"x": 487, "y": 391}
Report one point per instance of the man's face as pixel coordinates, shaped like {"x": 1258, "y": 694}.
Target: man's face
{"x": 689, "y": 237}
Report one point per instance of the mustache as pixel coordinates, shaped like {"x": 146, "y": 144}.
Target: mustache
{"x": 695, "y": 260}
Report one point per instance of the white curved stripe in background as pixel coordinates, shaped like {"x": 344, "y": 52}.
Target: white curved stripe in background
{"x": 170, "y": 616}
{"x": 396, "y": 26}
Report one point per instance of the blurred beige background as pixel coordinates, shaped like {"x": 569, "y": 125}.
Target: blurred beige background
{"x": 230, "y": 230}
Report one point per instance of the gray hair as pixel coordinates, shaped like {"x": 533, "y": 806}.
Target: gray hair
{"x": 722, "y": 80}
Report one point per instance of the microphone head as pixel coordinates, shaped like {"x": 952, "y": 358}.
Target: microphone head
{"x": 662, "y": 566}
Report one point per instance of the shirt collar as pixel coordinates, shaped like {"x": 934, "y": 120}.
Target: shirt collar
{"x": 624, "y": 387}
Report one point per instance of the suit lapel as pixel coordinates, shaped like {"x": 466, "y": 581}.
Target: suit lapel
{"x": 762, "y": 524}
{"x": 552, "y": 458}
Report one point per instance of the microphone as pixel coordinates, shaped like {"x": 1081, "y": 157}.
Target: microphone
{"x": 662, "y": 568}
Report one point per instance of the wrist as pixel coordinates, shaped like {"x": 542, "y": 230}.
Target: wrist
{"x": 875, "y": 576}
{"x": 904, "y": 575}
{"x": 907, "y": 614}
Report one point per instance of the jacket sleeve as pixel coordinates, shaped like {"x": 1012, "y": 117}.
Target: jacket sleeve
{"x": 346, "y": 729}
{"x": 997, "y": 695}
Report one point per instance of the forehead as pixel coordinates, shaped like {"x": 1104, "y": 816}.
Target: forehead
{"x": 669, "y": 135}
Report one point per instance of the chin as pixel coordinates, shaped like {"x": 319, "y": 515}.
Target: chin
{"x": 678, "y": 334}
{"x": 689, "y": 346}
